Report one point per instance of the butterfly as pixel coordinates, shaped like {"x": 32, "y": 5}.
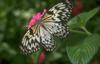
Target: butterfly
{"x": 44, "y": 26}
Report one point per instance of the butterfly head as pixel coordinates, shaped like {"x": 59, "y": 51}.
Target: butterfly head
{"x": 36, "y": 19}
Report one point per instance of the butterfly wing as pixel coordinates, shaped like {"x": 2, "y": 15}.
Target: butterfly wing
{"x": 57, "y": 29}
{"x": 55, "y": 20}
{"x": 46, "y": 39}
{"x": 35, "y": 38}
{"x": 30, "y": 41}
{"x": 59, "y": 12}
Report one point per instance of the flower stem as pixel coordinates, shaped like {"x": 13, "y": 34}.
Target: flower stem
{"x": 36, "y": 57}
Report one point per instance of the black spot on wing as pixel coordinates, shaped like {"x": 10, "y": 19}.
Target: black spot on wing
{"x": 31, "y": 32}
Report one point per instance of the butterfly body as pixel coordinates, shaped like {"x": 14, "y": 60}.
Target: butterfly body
{"x": 44, "y": 26}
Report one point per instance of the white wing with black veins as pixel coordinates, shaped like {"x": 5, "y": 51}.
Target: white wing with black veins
{"x": 55, "y": 20}
{"x": 47, "y": 41}
{"x": 30, "y": 42}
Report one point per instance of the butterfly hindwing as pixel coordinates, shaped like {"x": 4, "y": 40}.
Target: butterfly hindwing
{"x": 46, "y": 39}
{"x": 57, "y": 29}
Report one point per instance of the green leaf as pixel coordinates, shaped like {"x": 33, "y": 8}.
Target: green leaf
{"x": 89, "y": 15}
{"x": 81, "y": 20}
{"x": 74, "y": 38}
{"x": 84, "y": 52}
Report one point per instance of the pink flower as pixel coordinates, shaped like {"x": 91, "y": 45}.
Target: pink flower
{"x": 36, "y": 19}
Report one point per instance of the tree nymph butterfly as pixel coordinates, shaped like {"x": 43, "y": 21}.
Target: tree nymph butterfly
{"x": 44, "y": 26}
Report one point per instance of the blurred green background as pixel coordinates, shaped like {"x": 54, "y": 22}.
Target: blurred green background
{"x": 14, "y": 16}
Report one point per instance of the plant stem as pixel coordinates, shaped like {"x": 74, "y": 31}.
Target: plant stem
{"x": 86, "y": 31}
{"x": 36, "y": 56}
{"x": 76, "y": 31}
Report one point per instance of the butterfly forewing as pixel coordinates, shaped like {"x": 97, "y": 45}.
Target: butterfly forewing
{"x": 58, "y": 13}
{"x": 30, "y": 41}
{"x": 55, "y": 20}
